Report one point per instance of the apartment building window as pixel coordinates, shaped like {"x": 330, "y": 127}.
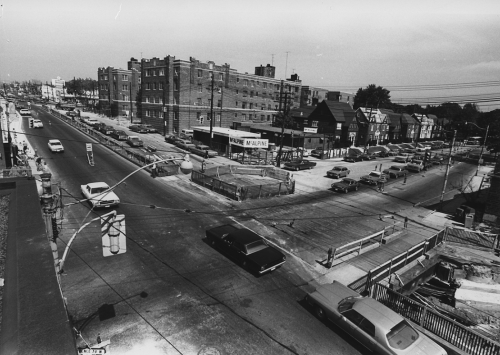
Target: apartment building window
{"x": 198, "y": 101}
{"x": 243, "y": 105}
{"x": 176, "y": 84}
{"x": 148, "y": 114}
{"x": 125, "y": 97}
{"x": 314, "y": 124}
{"x": 245, "y": 93}
{"x": 268, "y": 117}
{"x": 176, "y": 115}
{"x": 124, "y": 107}
{"x": 200, "y": 88}
{"x": 160, "y": 100}
{"x": 199, "y": 117}
{"x": 237, "y": 79}
{"x": 296, "y": 89}
{"x": 219, "y": 103}
{"x": 200, "y": 73}
{"x": 147, "y": 86}
{"x": 154, "y": 86}
{"x": 104, "y": 77}
{"x": 339, "y": 125}
{"x": 217, "y": 117}
{"x": 210, "y": 75}
{"x": 252, "y": 83}
{"x": 258, "y": 83}
{"x": 243, "y": 117}
{"x": 236, "y": 104}
{"x": 114, "y": 77}
{"x": 176, "y": 72}
{"x": 269, "y": 106}
{"x": 160, "y": 114}
{"x": 251, "y": 93}
{"x": 237, "y": 92}
{"x": 210, "y": 102}
{"x": 245, "y": 82}
{"x": 125, "y": 87}
{"x": 265, "y": 85}
{"x": 160, "y": 85}
{"x": 262, "y": 117}
{"x": 114, "y": 87}
{"x": 263, "y": 107}
{"x": 221, "y": 76}
{"x": 162, "y": 73}
{"x": 175, "y": 101}
{"x": 124, "y": 77}
{"x": 251, "y": 106}
{"x": 146, "y": 99}
{"x": 157, "y": 99}
{"x": 256, "y": 94}
{"x": 155, "y": 72}
{"x": 148, "y": 72}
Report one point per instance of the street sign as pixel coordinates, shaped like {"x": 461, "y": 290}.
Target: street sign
{"x": 310, "y": 130}
{"x": 114, "y": 245}
{"x": 89, "y": 147}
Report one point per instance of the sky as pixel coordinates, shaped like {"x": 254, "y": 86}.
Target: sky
{"x": 422, "y": 51}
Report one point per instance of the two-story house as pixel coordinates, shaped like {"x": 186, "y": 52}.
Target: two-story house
{"x": 394, "y": 121}
{"x": 409, "y": 128}
{"x": 373, "y": 126}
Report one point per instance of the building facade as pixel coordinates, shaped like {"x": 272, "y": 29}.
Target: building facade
{"x": 409, "y": 128}
{"x": 341, "y": 96}
{"x": 426, "y": 126}
{"x": 179, "y": 94}
{"x": 394, "y": 121}
{"x": 373, "y": 126}
{"x": 312, "y": 96}
{"x": 118, "y": 90}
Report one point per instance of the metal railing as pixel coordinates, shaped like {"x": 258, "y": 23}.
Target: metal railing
{"x": 442, "y": 326}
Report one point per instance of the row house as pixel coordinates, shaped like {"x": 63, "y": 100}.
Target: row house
{"x": 177, "y": 94}
{"x": 394, "y": 121}
{"x": 335, "y": 121}
{"x": 373, "y": 126}
{"x": 118, "y": 89}
{"x": 426, "y": 125}
{"x": 439, "y": 123}
{"x": 409, "y": 128}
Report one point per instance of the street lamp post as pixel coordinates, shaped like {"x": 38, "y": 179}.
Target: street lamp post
{"x": 484, "y": 144}
{"x": 447, "y": 171}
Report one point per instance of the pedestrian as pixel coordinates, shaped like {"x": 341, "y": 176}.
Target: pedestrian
{"x": 25, "y": 147}
{"x": 330, "y": 257}
{"x": 406, "y": 222}
{"x": 206, "y": 154}
{"x": 99, "y": 340}
{"x": 382, "y": 186}
{"x": 404, "y": 182}
{"x": 153, "y": 170}
{"x": 38, "y": 162}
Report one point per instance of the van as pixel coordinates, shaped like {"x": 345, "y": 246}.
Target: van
{"x": 187, "y": 132}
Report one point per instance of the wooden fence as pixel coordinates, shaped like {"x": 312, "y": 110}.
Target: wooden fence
{"x": 445, "y": 328}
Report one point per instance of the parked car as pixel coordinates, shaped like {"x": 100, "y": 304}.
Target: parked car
{"x": 25, "y": 112}
{"x": 402, "y": 159}
{"x": 107, "y": 130}
{"x": 369, "y": 322}
{"x": 134, "y": 141}
{"x": 171, "y": 139}
{"x": 119, "y": 135}
{"x": 187, "y": 132}
{"x": 246, "y": 248}
{"x": 138, "y": 128}
{"x": 300, "y": 164}
{"x": 319, "y": 152}
{"x": 37, "y": 123}
{"x": 83, "y": 118}
{"x": 182, "y": 142}
{"x": 204, "y": 151}
{"x": 149, "y": 128}
{"x": 345, "y": 185}
{"x": 396, "y": 171}
{"x": 55, "y": 146}
{"x": 437, "y": 160}
{"x": 186, "y": 145}
{"x": 97, "y": 196}
{"x": 92, "y": 122}
{"x": 71, "y": 113}
{"x": 415, "y": 166}
{"x": 338, "y": 172}
{"x": 366, "y": 156}
{"x": 373, "y": 177}
{"x": 352, "y": 158}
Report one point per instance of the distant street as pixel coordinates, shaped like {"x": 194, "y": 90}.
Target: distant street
{"x": 195, "y": 296}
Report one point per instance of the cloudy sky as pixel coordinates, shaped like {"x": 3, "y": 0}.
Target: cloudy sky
{"x": 426, "y": 51}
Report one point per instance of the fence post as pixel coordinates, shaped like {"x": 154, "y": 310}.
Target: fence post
{"x": 360, "y": 246}
{"x": 422, "y": 317}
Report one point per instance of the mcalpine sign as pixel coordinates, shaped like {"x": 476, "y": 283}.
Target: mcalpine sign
{"x": 249, "y": 142}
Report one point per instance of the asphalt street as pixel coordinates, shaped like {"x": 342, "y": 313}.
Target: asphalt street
{"x": 171, "y": 292}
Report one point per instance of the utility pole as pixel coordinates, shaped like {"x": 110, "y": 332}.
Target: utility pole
{"x": 130, "y": 97}
{"x": 49, "y": 218}
{"x": 212, "y": 110}
{"x": 281, "y": 113}
{"x": 447, "y": 171}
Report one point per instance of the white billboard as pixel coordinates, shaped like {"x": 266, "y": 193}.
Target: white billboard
{"x": 310, "y": 130}
{"x": 249, "y": 142}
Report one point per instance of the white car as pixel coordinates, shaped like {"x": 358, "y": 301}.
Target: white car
{"x": 37, "y": 124}
{"x": 95, "y": 193}
{"x": 55, "y": 146}
{"x": 25, "y": 112}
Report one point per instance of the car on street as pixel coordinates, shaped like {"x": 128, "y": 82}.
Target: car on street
{"x": 25, "y": 112}
{"x": 71, "y": 113}
{"x": 138, "y": 128}
{"x": 96, "y": 193}
{"x": 37, "y": 123}
{"x": 107, "y": 130}
{"x": 319, "y": 152}
{"x": 246, "y": 247}
{"x": 134, "y": 141}
{"x": 373, "y": 177}
{"x": 352, "y": 158}
{"x": 300, "y": 164}
{"x": 149, "y": 128}
{"x": 92, "y": 122}
{"x": 366, "y": 156}
{"x": 345, "y": 185}
{"x": 338, "y": 172}
{"x": 119, "y": 135}
{"x": 182, "y": 142}
{"x": 204, "y": 151}
{"x": 171, "y": 139}
{"x": 396, "y": 171}
{"x": 415, "y": 166}
{"x": 371, "y": 323}
{"x": 55, "y": 146}
{"x": 186, "y": 145}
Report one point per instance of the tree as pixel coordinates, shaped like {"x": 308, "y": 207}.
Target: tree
{"x": 372, "y": 96}
{"x": 138, "y": 103}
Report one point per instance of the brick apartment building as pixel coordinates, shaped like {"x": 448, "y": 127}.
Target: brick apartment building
{"x": 177, "y": 94}
{"x": 312, "y": 96}
{"x": 118, "y": 89}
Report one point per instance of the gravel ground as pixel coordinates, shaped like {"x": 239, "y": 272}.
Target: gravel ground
{"x": 4, "y": 212}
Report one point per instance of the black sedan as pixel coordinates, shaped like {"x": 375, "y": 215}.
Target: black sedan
{"x": 352, "y": 158}
{"x": 368, "y": 156}
{"x": 138, "y": 128}
{"x": 345, "y": 185}
{"x": 246, "y": 248}
{"x": 300, "y": 165}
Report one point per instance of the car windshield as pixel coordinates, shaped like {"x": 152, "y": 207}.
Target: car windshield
{"x": 374, "y": 174}
{"x": 402, "y": 336}
{"x": 347, "y": 303}
{"x": 98, "y": 190}
{"x": 256, "y": 246}
{"x": 55, "y": 143}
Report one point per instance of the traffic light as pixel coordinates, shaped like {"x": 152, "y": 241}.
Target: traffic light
{"x": 55, "y": 231}
{"x": 31, "y": 123}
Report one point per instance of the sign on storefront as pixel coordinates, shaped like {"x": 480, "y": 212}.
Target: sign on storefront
{"x": 310, "y": 130}
{"x": 249, "y": 142}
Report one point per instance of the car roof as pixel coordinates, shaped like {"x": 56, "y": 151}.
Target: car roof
{"x": 54, "y": 141}
{"x": 348, "y": 179}
{"x": 377, "y": 313}
{"x": 133, "y": 137}
{"x": 246, "y": 236}
{"x": 339, "y": 167}
{"x": 97, "y": 184}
